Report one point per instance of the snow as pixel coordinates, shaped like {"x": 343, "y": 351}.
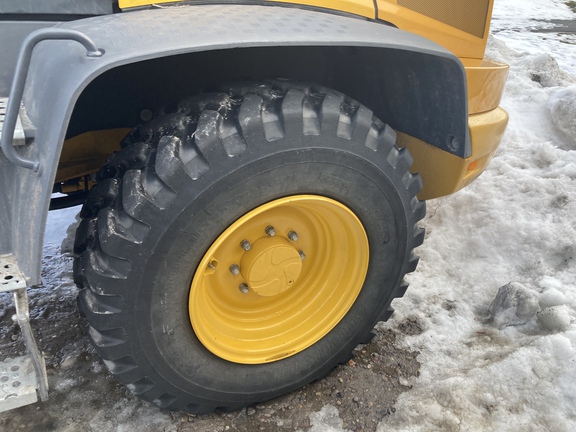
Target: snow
{"x": 514, "y": 225}
{"x": 526, "y": 26}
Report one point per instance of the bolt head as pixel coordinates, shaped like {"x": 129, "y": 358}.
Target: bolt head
{"x": 244, "y": 288}
{"x": 235, "y": 269}
{"x": 245, "y": 244}
{"x": 293, "y": 235}
{"x": 302, "y": 255}
{"x": 270, "y": 231}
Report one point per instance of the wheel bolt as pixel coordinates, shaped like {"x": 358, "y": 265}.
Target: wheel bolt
{"x": 292, "y": 235}
{"x": 244, "y": 288}
{"x": 234, "y": 269}
{"x": 245, "y": 244}
{"x": 302, "y": 255}
{"x": 270, "y": 231}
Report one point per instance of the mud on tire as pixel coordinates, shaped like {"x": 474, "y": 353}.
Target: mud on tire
{"x": 184, "y": 177}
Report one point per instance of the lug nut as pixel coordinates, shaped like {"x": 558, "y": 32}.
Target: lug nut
{"x": 234, "y": 269}
{"x": 213, "y": 264}
{"x": 270, "y": 231}
{"x": 245, "y": 244}
{"x": 244, "y": 288}
{"x": 302, "y": 255}
{"x": 292, "y": 235}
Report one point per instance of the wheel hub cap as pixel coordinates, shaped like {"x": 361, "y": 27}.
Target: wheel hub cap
{"x": 271, "y": 266}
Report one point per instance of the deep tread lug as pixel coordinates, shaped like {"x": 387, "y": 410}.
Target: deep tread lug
{"x": 330, "y": 113}
{"x": 291, "y": 111}
{"x": 141, "y": 386}
{"x": 412, "y": 263}
{"x": 419, "y": 234}
{"x": 107, "y": 338}
{"x": 121, "y": 366}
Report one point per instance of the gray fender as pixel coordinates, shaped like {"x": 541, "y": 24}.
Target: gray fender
{"x": 60, "y": 71}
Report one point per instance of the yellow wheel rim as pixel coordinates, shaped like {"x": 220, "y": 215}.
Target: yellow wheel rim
{"x": 278, "y": 279}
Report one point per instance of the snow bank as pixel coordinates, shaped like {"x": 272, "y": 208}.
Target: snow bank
{"x": 514, "y": 224}
{"x": 562, "y": 110}
{"x": 525, "y": 25}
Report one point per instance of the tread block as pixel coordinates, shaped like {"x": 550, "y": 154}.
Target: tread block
{"x": 419, "y": 234}
{"x": 165, "y": 400}
{"x": 250, "y": 120}
{"x": 418, "y": 208}
{"x": 412, "y": 263}
{"x": 330, "y": 113}
{"x": 141, "y": 386}
{"x": 272, "y": 122}
{"x": 98, "y": 304}
{"x": 116, "y": 232}
{"x": 400, "y": 159}
{"x": 346, "y": 120}
{"x": 107, "y": 265}
{"x": 206, "y": 138}
{"x": 103, "y": 196}
{"x": 155, "y": 189}
{"x": 412, "y": 182}
{"x": 121, "y": 365}
{"x": 131, "y": 157}
{"x": 107, "y": 338}
{"x": 291, "y": 110}
{"x": 386, "y": 314}
{"x": 230, "y": 136}
{"x": 86, "y": 235}
{"x": 311, "y": 115}
{"x": 169, "y": 164}
{"x": 361, "y": 124}
{"x": 402, "y": 289}
{"x": 134, "y": 199}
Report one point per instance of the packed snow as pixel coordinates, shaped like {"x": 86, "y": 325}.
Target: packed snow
{"x": 495, "y": 291}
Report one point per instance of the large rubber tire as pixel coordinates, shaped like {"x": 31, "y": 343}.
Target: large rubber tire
{"x": 181, "y": 180}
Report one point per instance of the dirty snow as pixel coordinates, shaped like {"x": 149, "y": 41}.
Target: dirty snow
{"x": 482, "y": 368}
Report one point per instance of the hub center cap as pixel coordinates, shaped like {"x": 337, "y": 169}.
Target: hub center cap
{"x": 271, "y": 266}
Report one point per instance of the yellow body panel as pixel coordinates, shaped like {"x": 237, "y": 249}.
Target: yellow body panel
{"x": 85, "y": 154}
{"x": 357, "y": 7}
{"x": 486, "y": 80}
{"x": 443, "y": 173}
{"x": 464, "y": 44}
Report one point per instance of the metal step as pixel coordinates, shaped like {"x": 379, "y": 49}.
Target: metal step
{"x": 19, "y": 137}
{"x": 17, "y": 383}
{"x": 10, "y": 276}
{"x": 20, "y": 378}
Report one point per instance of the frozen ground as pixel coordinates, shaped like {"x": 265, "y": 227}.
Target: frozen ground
{"x": 450, "y": 358}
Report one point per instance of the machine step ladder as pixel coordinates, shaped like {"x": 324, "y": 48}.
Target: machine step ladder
{"x": 24, "y": 378}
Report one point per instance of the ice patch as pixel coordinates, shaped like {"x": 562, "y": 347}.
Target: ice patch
{"x": 326, "y": 420}
{"x": 514, "y": 305}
